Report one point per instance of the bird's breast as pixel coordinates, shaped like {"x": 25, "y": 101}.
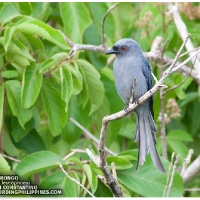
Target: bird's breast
{"x": 124, "y": 73}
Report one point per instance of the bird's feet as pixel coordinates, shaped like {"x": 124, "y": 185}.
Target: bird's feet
{"x": 136, "y": 101}
{"x": 126, "y": 108}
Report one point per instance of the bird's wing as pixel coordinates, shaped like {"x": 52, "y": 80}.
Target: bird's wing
{"x": 146, "y": 68}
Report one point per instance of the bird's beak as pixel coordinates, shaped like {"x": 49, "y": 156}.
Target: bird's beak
{"x": 111, "y": 51}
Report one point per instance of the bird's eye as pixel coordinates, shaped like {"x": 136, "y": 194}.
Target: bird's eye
{"x": 123, "y": 48}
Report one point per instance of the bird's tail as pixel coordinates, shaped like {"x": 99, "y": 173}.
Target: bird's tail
{"x": 145, "y": 134}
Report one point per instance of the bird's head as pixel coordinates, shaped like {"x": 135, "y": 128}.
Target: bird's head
{"x": 125, "y": 46}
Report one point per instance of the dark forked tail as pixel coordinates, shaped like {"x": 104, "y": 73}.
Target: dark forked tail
{"x": 145, "y": 134}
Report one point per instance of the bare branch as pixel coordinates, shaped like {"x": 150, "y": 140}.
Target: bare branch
{"x": 94, "y": 158}
{"x": 182, "y": 29}
{"x": 73, "y": 152}
{"x": 192, "y": 170}
{"x": 178, "y": 85}
{"x": 192, "y": 189}
{"x": 173, "y": 173}
{"x": 168, "y": 174}
{"x": 185, "y": 70}
{"x": 102, "y": 25}
{"x": 87, "y": 47}
{"x": 186, "y": 61}
{"x": 10, "y": 158}
{"x": 114, "y": 170}
{"x": 187, "y": 161}
{"x": 88, "y": 134}
{"x": 101, "y": 48}
{"x": 187, "y": 52}
{"x": 162, "y": 112}
{"x": 74, "y": 180}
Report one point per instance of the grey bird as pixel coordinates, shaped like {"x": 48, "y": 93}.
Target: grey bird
{"x": 130, "y": 63}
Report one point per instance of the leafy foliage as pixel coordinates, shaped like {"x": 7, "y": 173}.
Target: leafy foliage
{"x": 41, "y": 88}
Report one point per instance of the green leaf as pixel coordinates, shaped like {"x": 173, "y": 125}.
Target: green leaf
{"x": 179, "y": 135}
{"x": 54, "y": 107}
{"x": 13, "y": 89}
{"x": 7, "y": 13}
{"x": 42, "y": 10}
{"x": 148, "y": 181}
{"x": 55, "y": 181}
{"x": 97, "y": 13}
{"x": 119, "y": 161}
{"x": 7, "y": 37}
{"x": 31, "y": 85}
{"x": 55, "y": 60}
{"x": 37, "y": 42}
{"x": 91, "y": 179}
{"x": 18, "y": 132}
{"x": 129, "y": 154}
{"x": 25, "y": 8}
{"x": 24, "y": 50}
{"x": 178, "y": 147}
{"x": 1, "y": 105}
{"x": 77, "y": 78}
{"x": 36, "y": 27}
{"x": 66, "y": 83}
{"x": 9, "y": 147}
{"x": 16, "y": 57}
{"x": 58, "y": 180}
{"x": 4, "y": 167}
{"x": 76, "y": 19}
{"x": 9, "y": 74}
{"x": 37, "y": 162}
{"x": 32, "y": 143}
{"x": 191, "y": 96}
{"x": 93, "y": 85}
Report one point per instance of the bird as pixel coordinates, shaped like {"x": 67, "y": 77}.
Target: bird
{"x": 129, "y": 65}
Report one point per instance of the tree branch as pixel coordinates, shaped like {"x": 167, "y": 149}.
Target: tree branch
{"x": 186, "y": 161}
{"x": 192, "y": 170}
{"x": 168, "y": 174}
{"x": 162, "y": 110}
{"x": 101, "y": 48}
{"x": 88, "y": 134}
{"x": 182, "y": 29}
{"x": 103, "y": 41}
{"x": 173, "y": 173}
{"x": 74, "y": 180}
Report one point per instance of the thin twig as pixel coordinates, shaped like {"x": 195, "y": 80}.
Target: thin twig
{"x": 162, "y": 105}
{"x": 10, "y": 158}
{"x": 173, "y": 173}
{"x": 182, "y": 29}
{"x": 187, "y": 52}
{"x": 94, "y": 158}
{"x": 176, "y": 86}
{"x": 181, "y": 48}
{"x": 102, "y": 25}
{"x": 74, "y": 180}
{"x": 168, "y": 174}
{"x": 192, "y": 189}
{"x": 187, "y": 161}
{"x": 88, "y": 134}
{"x": 192, "y": 170}
{"x": 186, "y": 61}
{"x": 73, "y": 152}
{"x": 114, "y": 170}
{"x": 83, "y": 162}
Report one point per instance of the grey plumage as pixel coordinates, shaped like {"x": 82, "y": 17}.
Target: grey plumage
{"x": 130, "y": 63}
